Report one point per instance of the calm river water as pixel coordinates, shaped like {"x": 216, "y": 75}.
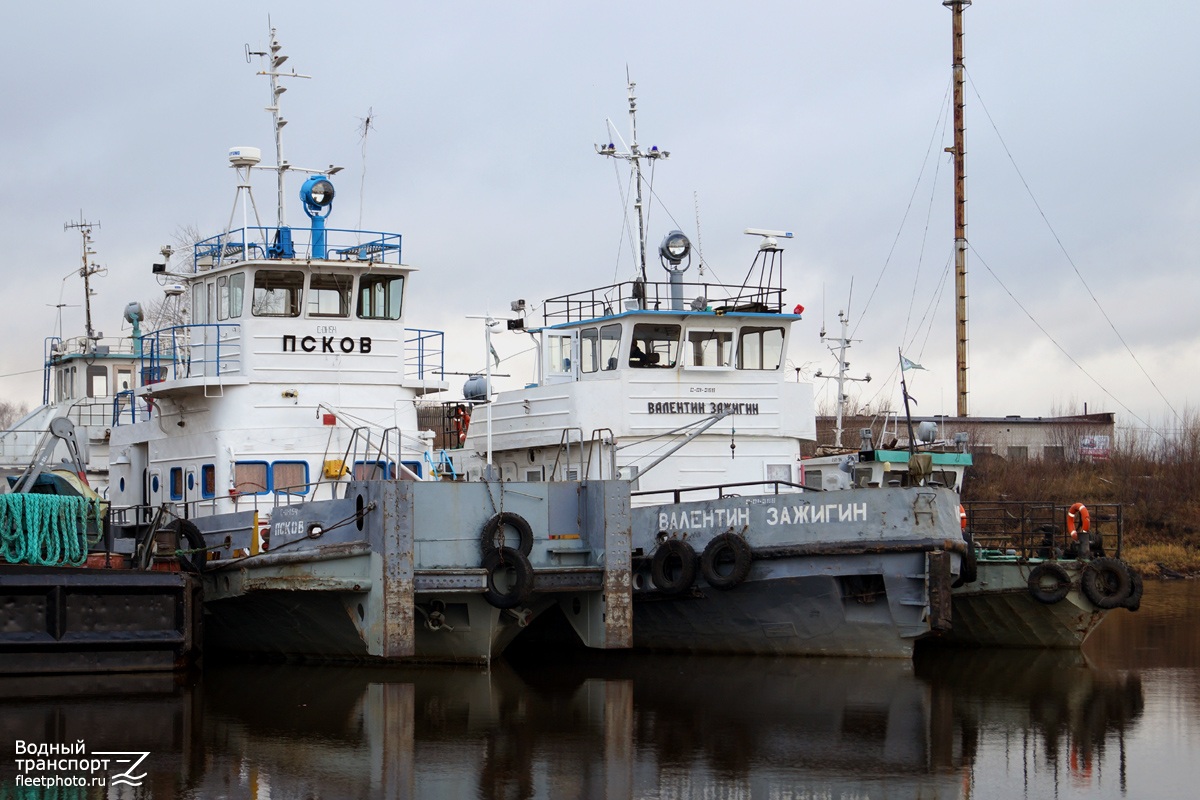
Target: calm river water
{"x": 1120, "y": 720}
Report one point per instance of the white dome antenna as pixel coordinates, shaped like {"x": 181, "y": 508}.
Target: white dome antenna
{"x": 244, "y": 156}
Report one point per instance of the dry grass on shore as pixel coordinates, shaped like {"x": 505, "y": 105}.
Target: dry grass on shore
{"x": 1155, "y": 478}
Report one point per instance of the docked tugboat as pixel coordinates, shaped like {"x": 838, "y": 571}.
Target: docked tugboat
{"x": 77, "y": 596}
{"x": 1037, "y": 573}
{"x": 680, "y": 389}
{"x": 274, "y": 434}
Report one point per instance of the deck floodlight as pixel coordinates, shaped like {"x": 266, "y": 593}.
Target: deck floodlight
{"x": 675, "y": 247}
{"x": 317, "y": 195}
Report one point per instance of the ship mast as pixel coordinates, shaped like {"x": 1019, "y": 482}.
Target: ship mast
{"x": 86, "y": 271}
{"x": 274, "y": 60}
{"x": 838, "y": 347}
{"x": 634, "y": 156}
{"x": 960, "y": 206}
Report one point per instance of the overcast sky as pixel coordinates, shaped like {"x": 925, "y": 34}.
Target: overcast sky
{"x": 826, "y": 119}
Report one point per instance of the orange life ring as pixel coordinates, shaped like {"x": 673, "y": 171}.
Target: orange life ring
{"x": 462, "y": 421}
{"x": 1078, "y": 512}
{"x": 962, "y": 518}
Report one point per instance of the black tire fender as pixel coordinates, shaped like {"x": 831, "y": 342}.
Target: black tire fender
{"x": 968, "y": 570}
{"x": 1136, "y": 587}
{"x": 1038, "y": 577}
{"x": 521, "y": 584}
{"x": 186, "y": 531}
{"x": 721, "y": 550}
{"x": 1107, "y": 583}
{"x": 487, "y": 538}
{"x": 670, "y": 551}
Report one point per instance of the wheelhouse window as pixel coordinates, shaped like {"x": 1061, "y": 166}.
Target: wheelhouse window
{"x": 277, "y": 293}
{"x": 558, "y": 355}
{"x": 380, "y": 296}
{"x": 610, "y": 346}
{"x": 97, "y": 381}
{"x": 760, "y": 347}
{"x": 329, "y": 295}
{"x": 199, "y": 306}
{"x": 230, "y": 290}
{"x": 654, "y": 345}
{"x": 708, "y": 349}
{"x": 589, "y": 350}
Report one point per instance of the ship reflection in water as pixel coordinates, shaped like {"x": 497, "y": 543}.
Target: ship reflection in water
{"x": 1122, "y": 721}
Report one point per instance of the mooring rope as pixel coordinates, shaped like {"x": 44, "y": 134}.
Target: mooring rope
{"x": 46, "y": 530}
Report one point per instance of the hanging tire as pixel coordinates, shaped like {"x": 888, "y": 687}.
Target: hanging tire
{"x": 1040, "y": 587}
{"x": 724, "y": 550}
{"x": 1107, "y": 583}
{"x": 1135, "y": 589}
{"x": 968, "y": 569}
{"x": 673, "y": 567}
{"x": 186, "y": 531}
{"x": 518, "y": 574}
{"x": 524, "y": 543}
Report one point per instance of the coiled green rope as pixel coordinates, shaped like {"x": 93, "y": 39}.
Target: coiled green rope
{"x": 46, "y": 530}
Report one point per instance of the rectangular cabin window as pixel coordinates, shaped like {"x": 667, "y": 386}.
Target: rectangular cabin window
{"x": 176, "y": 483}
{"x": 208, "y": 481}
{"x": 237, "y": 291}
{"x": 812, "y": 478}
{"x": 380, "y": 296}
{"x": 124, "y": 379}
{"x": 211, "y": 313}
{"x": 198, "y": 315}
{"x": 250, "y": 477}
{"x": 589, "y": 350}
{"x": 223, "y": 297}
{"x": 558, "y": 355}
{"x": 654, "y": 345}
{"x": 329, "y": 295}
{"x": 708, "y": 349}
{"x": 97, "y": 381}
{"x": 760, "y": 348}
{"x": 610, "y": 346}
{"x": 779, "y": 472}
{"x": 289, "y": 477}
{"x": 374, "y": 470}
{"x": 277, "y": 293}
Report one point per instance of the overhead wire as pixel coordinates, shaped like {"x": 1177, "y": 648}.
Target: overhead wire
{"x": 904, "y": 219}
{"x": 1070, "y": 260}
{"x": 1054, "y": 341}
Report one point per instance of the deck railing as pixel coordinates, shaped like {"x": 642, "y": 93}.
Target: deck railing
{"x": 294, "y": 243}
{"x": 191, "y": 351}
{"x": 1039, "y": 529}
{"x": 606, "y": 301}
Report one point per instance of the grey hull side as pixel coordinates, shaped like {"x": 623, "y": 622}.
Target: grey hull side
{"x": 998, "y": 611}
{"x": 794, "y": 617}
{"x": 393, "y": 572}
{"x": 840, "y": 573}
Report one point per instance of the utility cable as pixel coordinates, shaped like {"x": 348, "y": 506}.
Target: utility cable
{"x": 1070, "y": 260}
